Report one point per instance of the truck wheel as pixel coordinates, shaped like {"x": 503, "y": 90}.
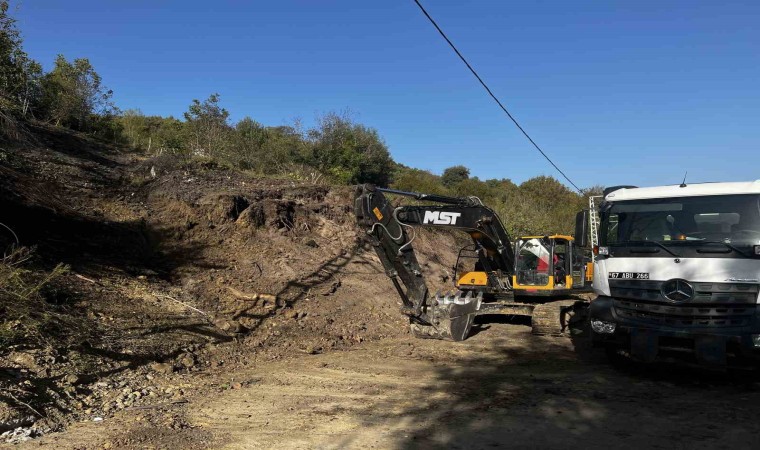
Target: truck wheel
{"x": 548, "y": 317}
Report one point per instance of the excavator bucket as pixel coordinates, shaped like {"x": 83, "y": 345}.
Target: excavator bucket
{"x": 451, "y": 316}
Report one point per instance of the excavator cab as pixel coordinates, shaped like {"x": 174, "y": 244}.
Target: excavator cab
{"x": 550, "y": 265}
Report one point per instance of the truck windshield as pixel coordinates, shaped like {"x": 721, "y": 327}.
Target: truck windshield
{"x": 684, "y": 222}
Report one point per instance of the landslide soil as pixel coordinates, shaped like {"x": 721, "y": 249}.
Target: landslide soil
{"x": 217, "y": 309}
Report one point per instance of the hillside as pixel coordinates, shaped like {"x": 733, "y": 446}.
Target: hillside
{"x": 170, "y": 265}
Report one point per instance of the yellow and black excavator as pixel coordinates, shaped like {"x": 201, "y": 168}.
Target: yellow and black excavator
{"x": 520, "y": 278}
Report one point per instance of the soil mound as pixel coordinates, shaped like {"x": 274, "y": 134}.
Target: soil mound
{"x": 167, "y": 267}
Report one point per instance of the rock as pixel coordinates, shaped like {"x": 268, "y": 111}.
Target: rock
{"x": 311, "y": 350}
{"x": 222, "y": 324}
{"x": 11, "y": 418}
{"x": 25, "y": 360}
{"x": 71, "y": 379}
{"x": 17, "y": 435}
{"x": 164, "y": 368}
{"x": 310, "y": 243}
{"x": 186, "y": 360}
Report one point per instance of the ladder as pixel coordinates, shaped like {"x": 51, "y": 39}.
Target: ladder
{"x": 594, "y": 219}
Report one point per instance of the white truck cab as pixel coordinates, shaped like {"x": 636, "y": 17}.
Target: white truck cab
{"x": 677, "y": 272}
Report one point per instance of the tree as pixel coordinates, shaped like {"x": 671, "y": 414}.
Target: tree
{"x": 249, "y": 141}
{"x": 133, "y": 124}
{"x": 542, "y": 205}
{"x": 207, "y": 123}
{"x": 73, "y": 93}
{"x": 349, "y": 152}
{"x": 19, "y": 75}
{"x": 454, "y": 175}
{"x": 416, "y": 180}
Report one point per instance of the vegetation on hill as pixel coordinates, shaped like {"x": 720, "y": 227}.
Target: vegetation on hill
{"x": 337, "y": 150}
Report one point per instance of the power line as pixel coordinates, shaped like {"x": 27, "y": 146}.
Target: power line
{"x": 485, "y": 86}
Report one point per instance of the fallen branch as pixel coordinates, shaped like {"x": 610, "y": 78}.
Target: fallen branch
{"x": 15, "y": 399}
{"x": 15, "y": 236}
{"x": 181, "y": 303}
{"x": 82, "y": 277}
{"x": 252, "y": 297}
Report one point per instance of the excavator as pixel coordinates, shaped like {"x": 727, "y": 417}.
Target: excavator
{"x": 516, "y": 279}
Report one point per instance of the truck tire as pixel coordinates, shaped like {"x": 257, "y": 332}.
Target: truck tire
{"x": 547, "y": 317}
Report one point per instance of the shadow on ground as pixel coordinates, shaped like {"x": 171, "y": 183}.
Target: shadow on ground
{"x": 537, "y": 392}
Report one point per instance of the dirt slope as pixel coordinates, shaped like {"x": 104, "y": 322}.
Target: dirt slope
{"x": 169, "y": 256}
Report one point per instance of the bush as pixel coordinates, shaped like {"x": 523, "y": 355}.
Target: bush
{"x": 349, "y": 152}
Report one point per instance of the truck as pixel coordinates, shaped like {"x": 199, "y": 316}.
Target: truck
{"x": 498, "y": 276}
{"x": 677, "y": 273}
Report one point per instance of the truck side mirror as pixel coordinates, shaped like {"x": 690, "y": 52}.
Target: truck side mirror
{"x": 581, "y": 228}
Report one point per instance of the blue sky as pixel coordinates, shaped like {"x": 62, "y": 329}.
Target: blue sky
{"x": 616, "y": 92}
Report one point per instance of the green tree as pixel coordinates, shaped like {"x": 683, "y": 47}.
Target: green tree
{"x": 72, "y": 94}
{"x": 19, "y": 75}
{"x": 207, "y": 125}
{"x": 250, "y": 139}
{"x": 348, "y": 152}
{"x": 133, "y": 124}
{"x": 454, "y": 175}
{"x": 416, "y": 180}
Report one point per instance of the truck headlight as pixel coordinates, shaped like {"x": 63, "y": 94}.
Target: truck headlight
{"x": 602, "y": 327}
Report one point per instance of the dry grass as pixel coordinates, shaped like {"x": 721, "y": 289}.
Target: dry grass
{"x": 25, "y": 316}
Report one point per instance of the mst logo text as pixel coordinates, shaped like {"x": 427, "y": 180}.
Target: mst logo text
{"x": 441, "y": 217}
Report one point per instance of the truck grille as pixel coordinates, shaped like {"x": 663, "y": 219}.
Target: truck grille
{"x": 713, "y": 304}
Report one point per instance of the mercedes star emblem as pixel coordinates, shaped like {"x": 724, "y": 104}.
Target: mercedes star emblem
{"x": 677, "y": 290}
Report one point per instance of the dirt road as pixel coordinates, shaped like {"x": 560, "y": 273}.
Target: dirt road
{"x": 502, "y": 387}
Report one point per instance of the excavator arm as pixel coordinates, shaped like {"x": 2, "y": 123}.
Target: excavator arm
{"x": 392, "y": 232}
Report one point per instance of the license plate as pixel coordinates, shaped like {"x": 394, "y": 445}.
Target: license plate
{"x": 630, "y": 275}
